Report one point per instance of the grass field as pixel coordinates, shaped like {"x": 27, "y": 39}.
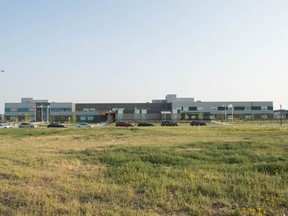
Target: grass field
{"x": 214, "y": 170}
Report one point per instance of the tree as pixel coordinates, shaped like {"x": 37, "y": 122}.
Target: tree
{"x": 186, "y": 116}
{"x": 51, "y": 118}
{"x": 27, "y": 117}
{"x": 73, "y": 118}
{"x": 201, "y": 115}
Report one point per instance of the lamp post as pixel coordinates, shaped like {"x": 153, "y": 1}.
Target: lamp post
{"x": 135, "y": 114}
{"x": 47, "y": 113}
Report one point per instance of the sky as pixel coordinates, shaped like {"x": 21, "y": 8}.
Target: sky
{"x": 121, "y": 51}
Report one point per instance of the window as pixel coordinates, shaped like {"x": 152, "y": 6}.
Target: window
{"x": 92, "y": 109}
{"x": 270, "y": 107}
{"x": 82, "y": 118}
{"x": 192, "y": 108}
{"x": 264, "y": 108}
{"x": 86, "y": 109}
{"x": 239, "y": 108}
{"x": 61, "y": 109}
{"x": 90, "y": 118}
{"x": 214, "y": 108}
{"x": 255, "y": 107}
{"x": 221, "y": 108}
{"x": 199, "y": 108}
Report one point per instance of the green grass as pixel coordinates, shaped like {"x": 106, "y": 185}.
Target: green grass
{"x": 237, "y": 170}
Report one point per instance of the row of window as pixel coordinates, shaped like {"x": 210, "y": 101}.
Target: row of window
{"x": 33, "y": 110}
{"x": 223, "y": 108}
{"x": 219, "y": 108}
{"x": 84, "y": 118}
{"x": 61, "y": 110}
{"x": 19, "y": 110}
{"x": 89, "y": 110}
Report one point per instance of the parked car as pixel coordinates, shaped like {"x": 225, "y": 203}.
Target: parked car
{"x": 198, "y": 123}
{"x": 56, "y": 125}
{"x": 5, "y": 126}
{"x": 124, "y": 124}
{"x": 145, "y": 124}
{"x": 27, "y": 125}
{"x": 84, "y": 125}
{"x": 168, "y": 123}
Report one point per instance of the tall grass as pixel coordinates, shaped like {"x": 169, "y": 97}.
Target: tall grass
{"x": 234, "y": 170}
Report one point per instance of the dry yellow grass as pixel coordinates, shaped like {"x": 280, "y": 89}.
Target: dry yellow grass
{"x": 144, "y": 171}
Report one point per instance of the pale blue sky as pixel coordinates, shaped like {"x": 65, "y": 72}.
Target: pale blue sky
{"x": 139, "y": 50}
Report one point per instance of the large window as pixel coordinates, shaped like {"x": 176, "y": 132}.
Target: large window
{"x": 192, "y": 108}
{"x": 221, "y": 108}
{"x": 264, "y": 108}
{"x": 239, "y": 108}
{"x": 12, "y": 109}
{"x": 255, "y": 107}
{"x": 90, "y": 118}
{"x": 61, "y": 110}
{"x": 82, "y": 118}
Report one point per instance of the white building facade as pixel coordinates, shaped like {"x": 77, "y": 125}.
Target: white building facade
{"x": 188, "y": 108}
{"x": 171, "y": 107}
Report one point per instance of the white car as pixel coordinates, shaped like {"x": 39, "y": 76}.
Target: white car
{"x": 27, "y": 125}
{"x": 82, "y": 125}
{"x": 5, "y": 126}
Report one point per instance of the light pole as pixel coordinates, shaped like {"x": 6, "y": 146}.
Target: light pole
{"x": 47, "y": 113}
